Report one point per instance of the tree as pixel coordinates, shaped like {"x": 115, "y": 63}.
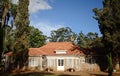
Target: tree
{"x": 109, "y": 20}
{"x": 88, "y": 40}
{"x": 10, "y": 31}
{"x": 81, "y": 40}
{"x": 36, "y": 37}
{"x": 62, "y": 35}
{"x": 4, "y": 17}
{"x": 22, "y": 34}
{"x": 97, "y": 42}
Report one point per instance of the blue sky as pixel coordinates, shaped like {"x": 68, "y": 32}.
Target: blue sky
{"x": 48, "y": 15}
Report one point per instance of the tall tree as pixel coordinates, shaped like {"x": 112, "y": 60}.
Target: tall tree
{"x": 109, "y": 23}
{"x": 37, "y": 38}
{"x": 62, "y": 35}
{"x": 10, "y": 31}
{"x": 4, "y": 17}
{"x": 22, "y": 34}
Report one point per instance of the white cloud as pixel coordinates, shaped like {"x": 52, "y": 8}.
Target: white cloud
{"x": 15, "y": 1}
{"x": 46, "y": 28}
{"x": 36, "y": 5}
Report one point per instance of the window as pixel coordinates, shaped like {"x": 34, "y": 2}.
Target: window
{"x": 32, "y": 61}
{"x": 60, "y": 62}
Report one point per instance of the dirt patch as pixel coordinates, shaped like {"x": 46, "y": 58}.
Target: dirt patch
{"x": 42, "y": 73}
{"x": 79, "y": 73}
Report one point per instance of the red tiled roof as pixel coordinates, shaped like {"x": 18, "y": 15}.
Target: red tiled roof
{"x": 51, "y": 47}
{"x": 35, "y": 52}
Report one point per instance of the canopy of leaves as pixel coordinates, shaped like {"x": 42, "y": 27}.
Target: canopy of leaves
{"x": 109, "y": 24}
{"x": 81, "y": 40}
{"x": 62, "y": 35}
{"x": 36, "y": 37}
{"x": 88, "y": 40}
{"x": 22, "y": 33}
{"x": 4, "y": 17}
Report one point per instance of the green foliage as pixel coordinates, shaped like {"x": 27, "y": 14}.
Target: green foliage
{"x": 4, "y": 17}
{"x": 14, "y": 9}
{"x": 37, "y": 38}
{"x": 97, "y": 42}
{"x": 9, "y": 38}
{"x": 62, "y": 35}
{"x": 22, "y": 34}
{"x": 89, "y": 40}
{"x": 81, "y": 40}
{"x": 109, "y": 23}
{"x": 22, "y": 24}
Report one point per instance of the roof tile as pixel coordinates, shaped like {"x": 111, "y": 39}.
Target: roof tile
{"x": 51, "y": 47}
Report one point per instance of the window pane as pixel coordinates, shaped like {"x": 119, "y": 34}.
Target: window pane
{"x": 58, "y": 62}
{"x": 61, "y": 62}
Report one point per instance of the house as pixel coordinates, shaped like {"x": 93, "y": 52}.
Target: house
{"x": 60, "y": 56}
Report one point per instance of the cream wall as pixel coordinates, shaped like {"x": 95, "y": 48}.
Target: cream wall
{"x": 70, "y": 61}
{"x": 35, "y": 62}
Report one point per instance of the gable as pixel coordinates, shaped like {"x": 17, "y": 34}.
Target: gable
{"x": 60, "y": 51}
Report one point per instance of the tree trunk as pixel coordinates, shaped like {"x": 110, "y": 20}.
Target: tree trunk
{"x": 110, "y": 68}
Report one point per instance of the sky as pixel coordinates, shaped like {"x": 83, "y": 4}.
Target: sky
{"x": 48, "y": 15}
